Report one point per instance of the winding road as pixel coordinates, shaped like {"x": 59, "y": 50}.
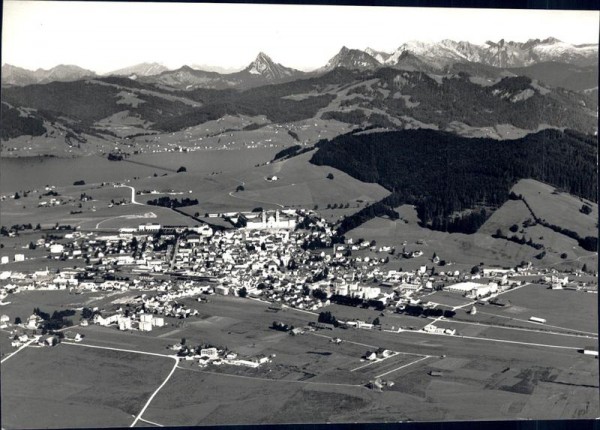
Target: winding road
{"x": 133, "y": 201}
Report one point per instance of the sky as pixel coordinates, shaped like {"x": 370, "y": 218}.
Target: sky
{"x": 107, "y": 36}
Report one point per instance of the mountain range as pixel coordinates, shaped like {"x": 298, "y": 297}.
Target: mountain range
{"x": 413, "y": 55}
{"x": 454, "y": 87}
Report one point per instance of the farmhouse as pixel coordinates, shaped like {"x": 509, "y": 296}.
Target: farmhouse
{"x": 210, "y": 353}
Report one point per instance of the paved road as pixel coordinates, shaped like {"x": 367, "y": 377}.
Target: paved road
{"x": 133, "y": 201}
{"x": 25, "y": 345}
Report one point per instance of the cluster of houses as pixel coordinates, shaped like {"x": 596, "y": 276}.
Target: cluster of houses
{"x": 145, "y": 312}
{"x": 210, "y": 355}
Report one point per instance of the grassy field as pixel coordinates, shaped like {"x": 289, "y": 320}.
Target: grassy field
{"x": 558, "y": 208}
{"x": 73, "y": 386}
{"x": 299, "y": 184}
{"x": 569, "y": 309}
{"x": 311, "y": 379}
{"x": 212, "y": 178}
{"x": 463, "y": 251}
{"x": 447, "y": 299}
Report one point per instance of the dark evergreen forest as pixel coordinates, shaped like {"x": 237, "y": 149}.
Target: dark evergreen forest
{"x": 457, "y": 182}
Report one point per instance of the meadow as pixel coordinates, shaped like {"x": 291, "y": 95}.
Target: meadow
{"x": 75, "y": 387}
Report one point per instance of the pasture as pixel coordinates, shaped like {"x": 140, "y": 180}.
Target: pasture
{"x": 558, "y": 208}
{"x": 72, "y": 386}
{"x": 572, "y": 310}
{"x": 461, "y": 250}
{"x": 309, "y": 378}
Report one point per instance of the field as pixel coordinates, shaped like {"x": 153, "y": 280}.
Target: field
{"x": 558, "y": 208}
{"x": 212, "y": 178}
{"x": 299, "y": 184}
{"x": 74, "y": 386}
{"x": 461, "y": 250}
{"x": 464, "y": 251}
{"x": 309, "y": 378}
{"x": 562, "y": 308}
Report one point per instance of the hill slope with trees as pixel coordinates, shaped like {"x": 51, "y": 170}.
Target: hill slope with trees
{"x": 456, "y": 182}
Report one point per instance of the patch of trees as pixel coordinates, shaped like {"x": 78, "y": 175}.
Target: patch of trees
{"x": 253, "y": 126}
{"x": 456, "y": 182}
{"x": 514, "y": 238}
{"x": 327, "y": 318}
{"x": 290, "y": 152}
{"x": 586, "y": 209}
{"x": 294, "y": 135}
{"x": 14, "y": 125}
{"x": 346, "y": 300}
{"x": 168, "y": 202}
{"x": 287, "y": 152}
{"x": 416, "y": 310}
{"x": 378, "y": 209}
{"x": 112, "y": 156}
{"x": 279, "y": 326}
{"x": 319, "y": 294}
{"x": 181, "y": 169}
{"x": 57, "y": 320}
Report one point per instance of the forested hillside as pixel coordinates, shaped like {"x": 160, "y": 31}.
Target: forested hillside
{"x": 456, "y": 182}
{"x": 14, "y": 124}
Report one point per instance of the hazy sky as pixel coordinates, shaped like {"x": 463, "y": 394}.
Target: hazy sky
{"x": 107, "y": 36}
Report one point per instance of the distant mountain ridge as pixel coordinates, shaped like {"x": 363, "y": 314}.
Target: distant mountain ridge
{"x": 262, "y": 71}
{"x": 12, "y": 75}
{"x": 142, "y": 69}
{"x": 499, "y": 54}
{"x": 412, "y": 55}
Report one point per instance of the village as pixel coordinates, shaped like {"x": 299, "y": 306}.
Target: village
{"x": 290, "y": 259}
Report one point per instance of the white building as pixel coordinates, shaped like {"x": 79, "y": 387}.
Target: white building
{"x": 125, "y": 323}
{"x": 202, "y": 230}
{"x": 149, "y": 228}
{"x": 211, "y": 353}
{"x": 473, "y": 288}
{"x": 221, "y": 290}
{"x": 271, "y": 222}
{"x": 19, "y": 258}
{"x": 56, "y": 248}
{"x": 145, "y": 326}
